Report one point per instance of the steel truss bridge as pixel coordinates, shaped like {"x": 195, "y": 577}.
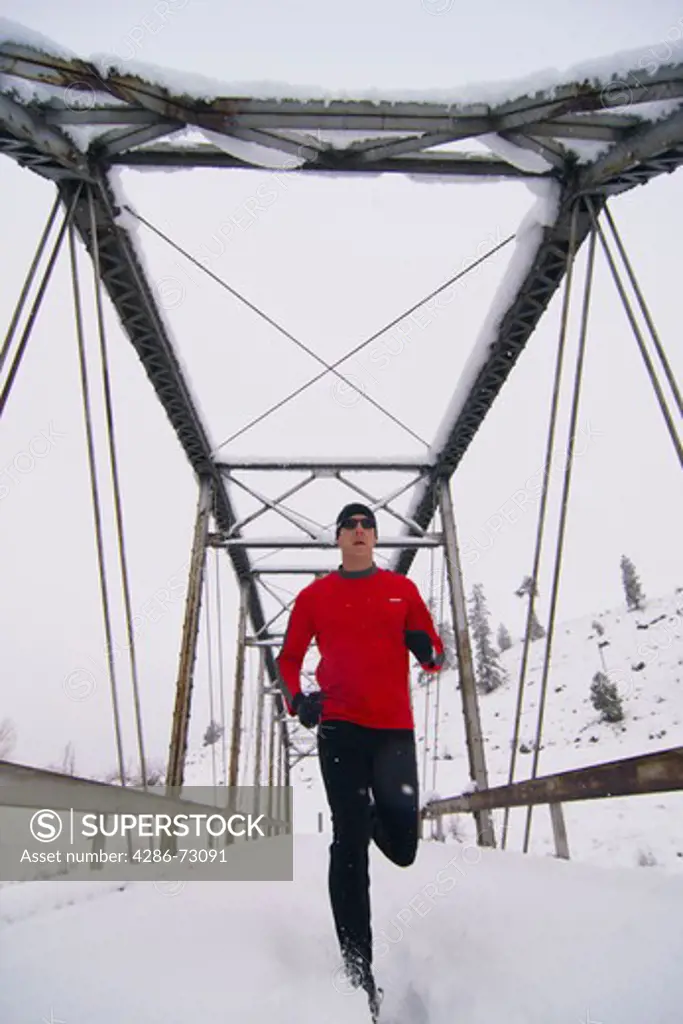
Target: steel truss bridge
{"x": 130, "y": 122}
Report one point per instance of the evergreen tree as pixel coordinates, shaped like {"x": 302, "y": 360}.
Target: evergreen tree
{"x": 69, "y": 760}
{"x": 448, "y": 640}
{"x": 490, "y": 673}
{"x": 8, "y": 738}
{"x": 504, "y": 639}
{"x": 635, "y": 599}
{"x": 213, "y": 733}
{"x": 445, "y": 631}
{"x": 536, "y": 630}
{"x": 605, "y": 698}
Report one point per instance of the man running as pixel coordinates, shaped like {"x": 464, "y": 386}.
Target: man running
{"x": 364, "y": 620}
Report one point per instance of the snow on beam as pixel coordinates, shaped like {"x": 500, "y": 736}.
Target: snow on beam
{"x": 25, "y": 55}
{"x": 660, "y": 772}
{"x": 30, "y": 128}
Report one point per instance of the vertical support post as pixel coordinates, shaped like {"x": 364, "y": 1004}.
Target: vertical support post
{"x": 188, "y": 648}
{"x": 286, "y": 768}
{"x": 427, "y": 687}
{"x": 271, "y": 765}
{"x": 258, "y": 738}
{"x": 559, "y": 831}
{"x": 468, "y": 688}
{"x": 260, "y": 698}
{"x": 280, "y": 778}
{"x": 235, "y": 744}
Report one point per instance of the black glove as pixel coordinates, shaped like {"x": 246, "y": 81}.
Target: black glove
{"x": 419, "y": 643}
{"x": 308, "y": 707}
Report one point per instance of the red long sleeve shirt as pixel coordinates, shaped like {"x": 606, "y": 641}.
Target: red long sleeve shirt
{"x": 358, "y": 624}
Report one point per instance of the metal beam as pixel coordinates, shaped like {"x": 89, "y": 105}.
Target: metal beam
{"x": 649, "y": 150}
{"x": 175, "y": 771}
{"x": 232, "y": 543}
{"x": 600, "y": 126}
{"x": 267, "y": 641}
{"x": 238, "y": 692}
{"x": 24, "y": 125}
{"x": 290, "y": 570}
{"x": 468, "y": 683}
{"x": 661, "y": 772}
{"x": 22, "y": 61}
{"x": 330, "y": 466}
{"x": 25, "y": 787}
{"x": 125, "y": 139}
{"x": 334, "y": 161}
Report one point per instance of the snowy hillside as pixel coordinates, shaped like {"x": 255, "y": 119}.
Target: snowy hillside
{"x": 464, "y": 935}
{"x": 644, "y": 656}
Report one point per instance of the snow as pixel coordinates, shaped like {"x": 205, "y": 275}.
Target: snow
{"x": 585, "y": 150}
{"x": 464, "y": 934}
{"x": 623, "y": 69}
{"x": 644, "y": 658}
{"x": 598, "y": 72}
{"x": 15, "y": 32}
{"x": 252, "y": 153}
{"x": 523, "y": 159}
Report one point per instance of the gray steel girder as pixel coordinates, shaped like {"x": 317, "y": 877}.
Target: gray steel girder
{"x": 32, "y": 135}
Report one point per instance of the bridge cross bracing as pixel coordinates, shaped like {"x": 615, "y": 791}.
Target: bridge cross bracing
{"x": 76, "y": 122}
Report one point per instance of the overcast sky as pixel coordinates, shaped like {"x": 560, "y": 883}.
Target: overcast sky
{"x": 332, "y": 260}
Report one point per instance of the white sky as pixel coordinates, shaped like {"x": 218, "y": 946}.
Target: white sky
{"x": 332, "y": 260}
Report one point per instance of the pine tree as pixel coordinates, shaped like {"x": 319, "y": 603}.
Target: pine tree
{"x": 504, "y": 639}
{"x": 69, "y": 760}
{"x": 635, "y": 599}
{"x": 605, "y": 698}
{"x": 8, "y": 738}
{"x": 448, "y": 640}
{"x": 213, "y": 733}
{"x": 536, "y": 630}
{"x": 490, "y": 673}
{"x": 445, "y": 631}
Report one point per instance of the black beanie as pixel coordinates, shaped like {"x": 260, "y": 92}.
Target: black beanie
{"x": 355, "y": 509}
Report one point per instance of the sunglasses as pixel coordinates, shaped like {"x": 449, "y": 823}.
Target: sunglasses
{"x": 351, "y": 524}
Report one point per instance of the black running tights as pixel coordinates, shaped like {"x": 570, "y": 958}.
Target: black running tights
{"x": 370, "y": 777}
